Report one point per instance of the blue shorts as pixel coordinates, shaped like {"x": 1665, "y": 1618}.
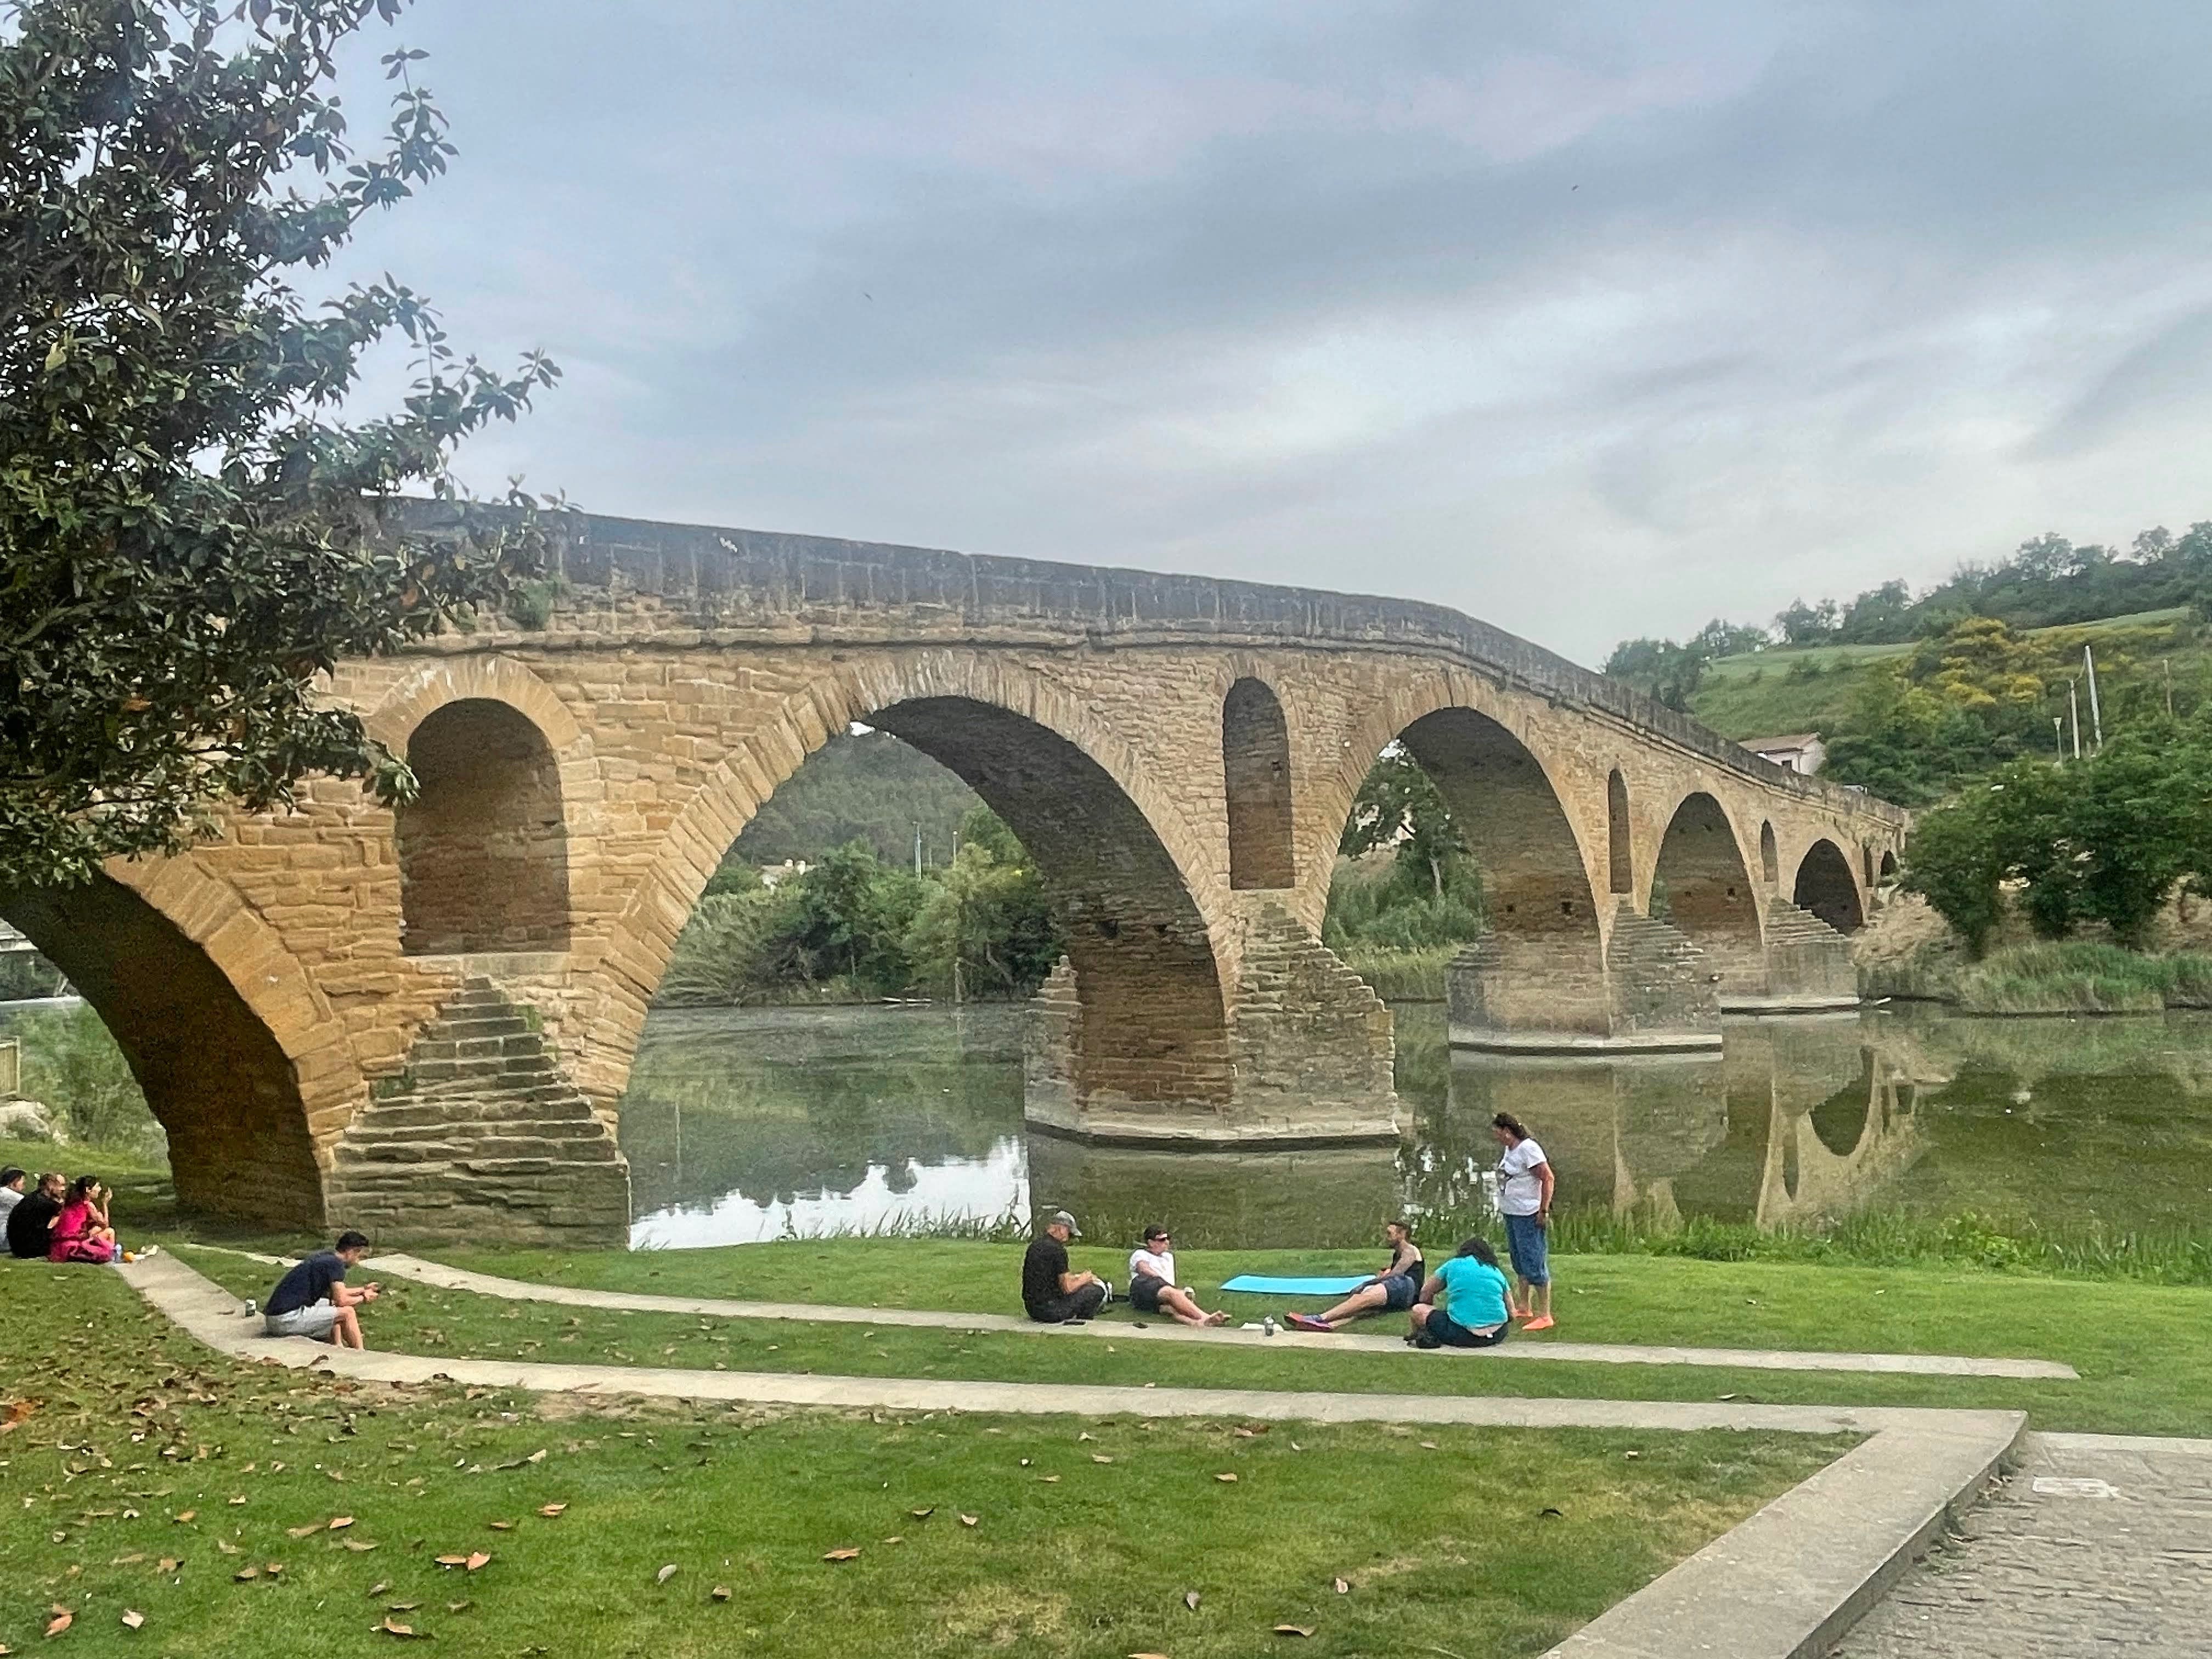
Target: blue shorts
{"x": 1453, "y": 1334}
{"x": 1525, "y": 1242}
{"x": 1401, "y": 1290}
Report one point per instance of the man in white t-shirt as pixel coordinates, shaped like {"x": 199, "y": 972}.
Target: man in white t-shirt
{"x": 1152, "y": 1287}
{"x": 1525, "y": 1187}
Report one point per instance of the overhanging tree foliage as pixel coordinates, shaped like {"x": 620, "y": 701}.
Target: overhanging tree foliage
{"x": 190, "y": 531}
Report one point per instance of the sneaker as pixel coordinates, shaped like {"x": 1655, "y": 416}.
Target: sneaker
{"x": 1109, "y": 1284}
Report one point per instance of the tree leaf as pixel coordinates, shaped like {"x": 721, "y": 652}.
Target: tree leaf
{"x": 720, "y": 1593}
{"x": 665, "y": 1574}
{"x": 923, "y": 1515}
{"x": 1190, "y": 1599}
{"x": 1294, "y": 1630}
{"x": 61, "y": 1621}
{"x": 132, "y": 1619}
{"x": 842, "y": 1555}
{"x": 1225, "y": 1477}
{"x": 552, "y": 1511}
{"x": 476, "y": 1558}
{"x": 392, "y": 1626}
{"x": 969, "y": 1520}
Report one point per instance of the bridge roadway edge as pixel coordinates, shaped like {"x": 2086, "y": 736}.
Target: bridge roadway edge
{"x": 1785, "y": 1583}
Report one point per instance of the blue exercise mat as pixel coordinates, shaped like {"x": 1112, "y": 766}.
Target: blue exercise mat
{"x": 1263, "y": 1284}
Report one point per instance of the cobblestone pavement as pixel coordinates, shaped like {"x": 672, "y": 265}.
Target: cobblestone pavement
{"x": 2097, "y": 1545}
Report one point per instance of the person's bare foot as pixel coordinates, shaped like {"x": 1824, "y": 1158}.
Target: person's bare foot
{"x": 1217, "y": 1319}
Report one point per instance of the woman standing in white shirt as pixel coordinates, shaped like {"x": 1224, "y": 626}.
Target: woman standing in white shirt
{"x": 1152, "y": 1287}
{"x": 1525, "y": 1187}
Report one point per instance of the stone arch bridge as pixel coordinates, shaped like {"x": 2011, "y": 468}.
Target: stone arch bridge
{"x": 423, "y": 1022}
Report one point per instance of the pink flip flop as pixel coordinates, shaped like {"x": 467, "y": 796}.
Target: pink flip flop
{"x": 1308, "y": 1322}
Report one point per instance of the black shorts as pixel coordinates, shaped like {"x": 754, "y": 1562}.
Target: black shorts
{"x": 1453, "y": 1334}
{"x": 1403, "y": 1290}
{"x": 1145, "y": 1292}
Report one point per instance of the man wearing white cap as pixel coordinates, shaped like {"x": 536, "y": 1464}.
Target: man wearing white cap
{"x": 1051, "y": 1294}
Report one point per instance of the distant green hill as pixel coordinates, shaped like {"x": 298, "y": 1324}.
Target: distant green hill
{"x": 1815, "y": 688}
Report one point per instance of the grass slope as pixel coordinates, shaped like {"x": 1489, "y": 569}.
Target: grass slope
{"x": 140, "y": 1472}
{"x": 2140, "y": 1349}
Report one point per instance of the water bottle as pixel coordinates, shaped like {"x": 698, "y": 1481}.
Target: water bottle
{"x": 1268, "y": 1324}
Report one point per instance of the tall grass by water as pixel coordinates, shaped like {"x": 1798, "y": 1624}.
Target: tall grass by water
{"x": 2072, "y": 976}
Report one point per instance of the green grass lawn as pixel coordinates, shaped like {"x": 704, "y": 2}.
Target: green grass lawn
{"x": 2140, "y": 1349}
{"x": 142, "y": 1473}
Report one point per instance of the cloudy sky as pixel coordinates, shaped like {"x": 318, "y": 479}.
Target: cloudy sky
{"x": 1590, "y": 320}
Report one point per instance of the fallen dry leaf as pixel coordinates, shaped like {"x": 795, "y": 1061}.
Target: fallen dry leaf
{"x": 1225, "y": 1477}
{"x": 1100, "y": 1457}
{"x": 1190, "y": 1599}
{"x": 132, "y": 1619}
{"x": 61, "y": 1621}
{"x": 240, "y": 1498}
{"x": 1050, "y": 1480}
{"x": 968, "y": 1520}
{"x": 303, "y": 1531}
{"x": 167, "y": 1563}
{"x": 245, "y": 1575}
{"x": 665, "y": 1574}
{"x": 720, "y": 1593}
{"x": 1343, "y": 1588}
{"x": 403, "y": 1607}
{"x": 476, "y": 1558}
{"x": 501, "y": 1526}
{"x": 340, "y": 1522}
{"x": 451, "y": 1560}
{"x": 842, "y": 1555}
{"x": 274, "y": 1568}
{"x": 923, "y": 1515}
{"x": 227, "y": 1548}
{"x": 393, "y": 1627}
{"x": 462, "y": 1606}
{"x": 379, "y": 1587}
{"x": 1148, "y": 1656}
{"x": 552, "y": 1511}
{"x": 358, "y": 1546}
{"x": 184, "y": 1515}
{"x": 1294, "y": 1630}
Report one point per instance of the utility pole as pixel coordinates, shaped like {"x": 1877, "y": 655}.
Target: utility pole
{"x": 917, "y": 847}
{"x": 2074, "y": 714}
{"x": 2096, "y": 719}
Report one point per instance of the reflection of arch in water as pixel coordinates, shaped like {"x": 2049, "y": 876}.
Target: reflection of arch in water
{"x": 1617, "y": 1131}
{"x": 1828, "y": 1157}
{"x": 1333, "y": 1197}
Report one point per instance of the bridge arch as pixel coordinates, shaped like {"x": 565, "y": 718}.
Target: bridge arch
{"x": 234, "y": 1048}
{"x": 1255, "y": 764}
{"x": 1701, "y": 881}
{"x": 1826, "y": 886}
{"x": 1145, "y": 1014}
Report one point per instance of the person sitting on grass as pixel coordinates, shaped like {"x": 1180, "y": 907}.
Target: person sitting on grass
{"x": 1051, "y": 1294}
{"x": 79, "y": 1231}
{"x": 11, "y": 1189}
{"x": 30, "y": 1224}
{"x": 1391, "y": 1291}
{"x": 1152, "y": 1287}
{"x": 1477, "y": 1306}
{"x": 315, "y": 1300}
{"x": 1525, "y": 1187}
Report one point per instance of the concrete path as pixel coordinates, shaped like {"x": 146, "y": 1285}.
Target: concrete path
{"x": 1779, "y": 1586}
{"x": 2098, "y": 1544}
{"x": 1608, "y": 1354}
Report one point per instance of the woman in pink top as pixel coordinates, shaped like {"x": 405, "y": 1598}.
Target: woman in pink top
{"x": 81, "y": 1230}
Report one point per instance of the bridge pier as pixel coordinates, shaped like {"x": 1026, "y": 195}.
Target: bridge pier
{"x": 1309, "y": 1049}
{"x": 1649, "y": 989}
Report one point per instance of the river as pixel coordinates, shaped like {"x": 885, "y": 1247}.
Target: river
{"x": 750, "y": 1124}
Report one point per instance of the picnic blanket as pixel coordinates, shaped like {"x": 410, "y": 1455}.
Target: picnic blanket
{"x": 1265, "y": 1284}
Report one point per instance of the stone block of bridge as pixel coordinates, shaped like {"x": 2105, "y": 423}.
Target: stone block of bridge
{"x": 1309, "y": 1044}
{"x": 1651, "y": 990}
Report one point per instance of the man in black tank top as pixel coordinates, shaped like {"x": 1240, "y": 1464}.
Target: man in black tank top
{"x": 1391, "y": 1290}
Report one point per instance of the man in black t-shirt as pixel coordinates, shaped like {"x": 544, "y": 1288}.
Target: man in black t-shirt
{"x": 31, "y": 1223}
{"x": 315, "y": 1300}
{"x": 1051, "y": 1294}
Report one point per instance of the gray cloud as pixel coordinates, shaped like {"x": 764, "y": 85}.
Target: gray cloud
{"x": 1592, "y": 319}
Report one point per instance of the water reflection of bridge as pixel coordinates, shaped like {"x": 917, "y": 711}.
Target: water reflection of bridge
{"x": 1801, "y": 1120}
